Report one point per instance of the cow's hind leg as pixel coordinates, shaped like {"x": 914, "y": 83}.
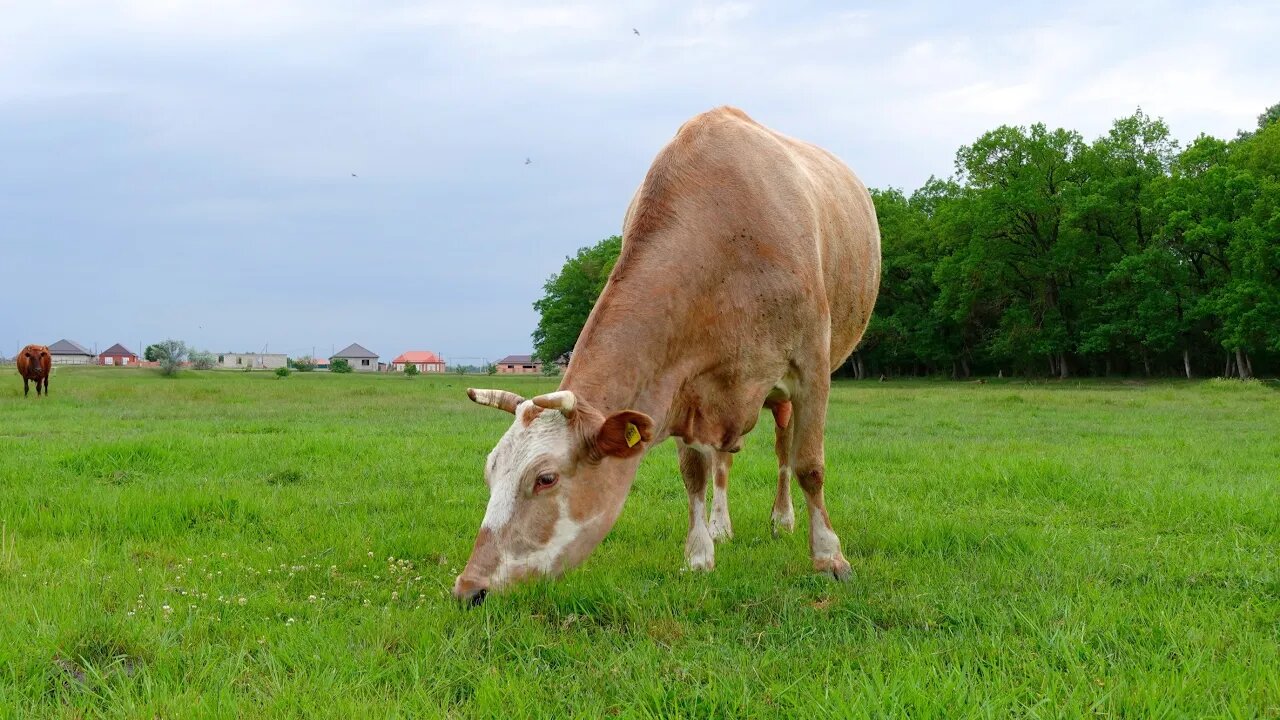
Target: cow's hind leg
{"x": 697, "y": 466}
{"x": 720, "y": 527}
{"x": 783, "y": 516}
{"x": 809, "y": 425}
{"x": 26, "y": 387}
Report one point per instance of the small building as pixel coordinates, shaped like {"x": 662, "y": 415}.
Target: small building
{"x": 427, "y": 361}
{"x": 519, "y": 365}
{"x": 255, "y": 361}
{"x": 360, "y": 358}
{"x": 68, "y": 352}
{"x": 117, "y": 355}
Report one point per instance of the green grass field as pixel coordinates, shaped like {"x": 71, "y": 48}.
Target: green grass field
{"x": 236, "y": 545}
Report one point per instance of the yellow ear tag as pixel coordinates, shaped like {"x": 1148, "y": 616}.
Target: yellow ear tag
{"x": 633, "y": 435}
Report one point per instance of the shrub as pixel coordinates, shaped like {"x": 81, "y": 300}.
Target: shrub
{"x": 491, "y": 369}
{"x": 303, "y": 364}
{"x": 203, "y": 360}
{"x": 339, "y": 365}
{"x": 282, "y": 372}
{"x": 410, "y": 369}
{"x": 170, "y": 354}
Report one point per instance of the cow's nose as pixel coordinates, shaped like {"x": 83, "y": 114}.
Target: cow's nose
{"x": 468, "y": 592}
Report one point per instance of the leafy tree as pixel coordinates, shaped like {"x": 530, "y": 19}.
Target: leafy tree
{"x": 339, "y": 365}
{"x": 203, "y": 360}
{"x": 569, "y": 296}
{"x": 410, "y": 369}
{"x": 302, "y": 364}
{"x": 171, "y": 354}
{"x": 282, "y": 372}
{"x": 491, "y": 369}
{"x": 1047, "y": 254}
{"x": 152, "y": 353}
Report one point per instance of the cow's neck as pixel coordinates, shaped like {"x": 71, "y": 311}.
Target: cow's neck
{"x": 628, "y": 356}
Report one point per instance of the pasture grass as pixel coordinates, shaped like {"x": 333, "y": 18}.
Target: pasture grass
{"x": 236, "y": 545}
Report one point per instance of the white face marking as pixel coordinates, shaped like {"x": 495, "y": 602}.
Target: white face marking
{"x": 543, "y": 559}
{"x": 506, "y": 466}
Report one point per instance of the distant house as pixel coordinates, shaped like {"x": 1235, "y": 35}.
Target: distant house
{"x": 519, "y": 365}
{"x": 426, "y": 361}
{"x": 256, "y": 361}
{"x": 67, "y": 352}
{"x": 117, "y": 355}
{"x": 361, "y": 359}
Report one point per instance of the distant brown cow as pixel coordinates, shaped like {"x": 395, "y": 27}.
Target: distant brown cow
{"x": 34, "y": 363}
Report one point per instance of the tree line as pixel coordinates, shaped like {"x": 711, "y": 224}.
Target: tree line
{"x": 1045, "y": 254}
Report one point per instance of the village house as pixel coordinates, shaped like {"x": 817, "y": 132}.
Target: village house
{"x": 360, "y": 358}
{"x": 519, "y": 365}
{"x": 527, "y": 364}
{"x": 256, "y": 361}
{"x": 426, "y": 361}
{"x": 117, "y": 355}
{"x": 67, "y": 352}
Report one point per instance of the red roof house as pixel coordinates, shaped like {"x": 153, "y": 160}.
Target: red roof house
{"x": 426, "y": 361}
{"x": 117, "y": 355}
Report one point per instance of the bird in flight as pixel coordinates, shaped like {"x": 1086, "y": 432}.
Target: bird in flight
{"x": 354, "y": 175}
{"x": 527, "y": 161}
{"x": 637, "y": 32}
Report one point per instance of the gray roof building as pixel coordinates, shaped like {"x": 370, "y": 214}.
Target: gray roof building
{"x": 360, "y": 358}
{"x": 355, "y": 350}
{"x": 69, "y": 347}
{"x": 67, "y": 352}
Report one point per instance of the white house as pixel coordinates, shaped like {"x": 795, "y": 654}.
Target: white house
{"x": 67, "y": 352}
{"x": 255, "y": 361}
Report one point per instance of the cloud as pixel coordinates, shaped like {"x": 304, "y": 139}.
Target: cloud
{"x": 197, "y": 156}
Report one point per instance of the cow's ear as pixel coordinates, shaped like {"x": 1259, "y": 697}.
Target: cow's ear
{"x": 624, "y": 434}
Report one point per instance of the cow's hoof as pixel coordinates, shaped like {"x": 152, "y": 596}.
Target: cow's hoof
{"x": 700, "y": 552}
{"x": 720, "y": 529}
{"x": 837, "y": 567}
{"x": 780, "y": 522}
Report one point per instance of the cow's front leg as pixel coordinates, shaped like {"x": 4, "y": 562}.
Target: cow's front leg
{"x": 721, "y": 527}
{"x": 696, "y": 466}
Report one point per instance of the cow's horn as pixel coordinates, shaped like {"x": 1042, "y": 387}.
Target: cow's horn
{"x": 501, "y": 399}
{"x": 562, "y": 400}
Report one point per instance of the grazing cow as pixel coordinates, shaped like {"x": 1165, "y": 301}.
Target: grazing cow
{"x": 749, "y": 268}
{"x": 34, "y": 363}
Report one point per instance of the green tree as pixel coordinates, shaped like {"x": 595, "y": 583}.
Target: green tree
{"x": 171, "y": 354}
{"x": 568, "y": 297}
{"x": 339, "y": 365}
{"x": 410, "y": 369}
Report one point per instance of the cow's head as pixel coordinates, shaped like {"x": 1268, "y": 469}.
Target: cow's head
{"x": 36, "y": 356}
{"x": 557, "y": 481}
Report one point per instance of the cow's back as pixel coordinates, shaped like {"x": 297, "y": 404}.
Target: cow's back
{"x": 777, "y": 214}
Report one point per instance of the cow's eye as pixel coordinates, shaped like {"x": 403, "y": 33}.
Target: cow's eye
{"x": 545, "y": 481}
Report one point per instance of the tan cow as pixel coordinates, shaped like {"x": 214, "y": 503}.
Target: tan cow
{"x": 750, "y": 265}
{"x": 35, "y": 363}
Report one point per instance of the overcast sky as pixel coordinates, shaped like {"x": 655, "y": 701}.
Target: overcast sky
{"x": 184, "y": 169}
